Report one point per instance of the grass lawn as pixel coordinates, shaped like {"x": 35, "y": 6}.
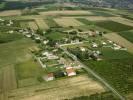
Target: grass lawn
{"x": 113, "y": 26}
{"x": 54, "y": 68}
{"x": 127, "y": 35}
{"x": 50, "y": 62}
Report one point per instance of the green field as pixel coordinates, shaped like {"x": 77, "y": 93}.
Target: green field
{"x": 113, "y": 26}
{"x": 28, "y": 69}
{"x": 127, "y": 35}
{"x": 16, "y": 51}
{"x": 51, "y": 23}
{"x": 101, "y": 13}
{"x": 85, "y": 21}
{"x": 2, "y": 5}
{"x": 5, "y": 37}
{"x": 28, "y": 73}
{"x": 55, "y": 36}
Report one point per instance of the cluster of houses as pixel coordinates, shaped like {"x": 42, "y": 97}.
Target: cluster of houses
{"x": 114, "y": 45}
{"x": 6, "y": 22}
{"x": 49, "y": 56}
{"x": 30, "y": 34}
{"x": 108, "y": 43}
{"x": 92, "y": 54}
{"x": 84, "y": 34}
{"x": 69, "y": 71}
{"x": 68, "y": 67}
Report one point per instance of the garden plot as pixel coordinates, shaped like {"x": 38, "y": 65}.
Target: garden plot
{"x": 80, "y": 12}
{"x": 41, "y": 24}
{"x": 33, "y": 25}
{"x": 66, "y": 22}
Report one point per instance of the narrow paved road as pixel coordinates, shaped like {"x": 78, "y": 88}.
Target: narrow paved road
{"x": 94, "y": 74}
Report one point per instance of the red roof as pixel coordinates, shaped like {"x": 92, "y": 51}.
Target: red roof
{"x": 70, "y": 70}
{"x": 50, "y": 75}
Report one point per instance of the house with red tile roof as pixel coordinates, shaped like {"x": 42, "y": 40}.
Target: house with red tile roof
{"x": 50, "y": 77}
{"x": 70, "y": 71}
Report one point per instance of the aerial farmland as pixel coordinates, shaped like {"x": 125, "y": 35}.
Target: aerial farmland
{"x": 52, "y": 52}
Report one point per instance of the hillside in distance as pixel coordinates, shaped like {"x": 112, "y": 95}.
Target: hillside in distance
{"x": 107, "y": 3}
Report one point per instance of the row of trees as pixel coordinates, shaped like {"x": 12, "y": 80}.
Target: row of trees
{"x": 97, "y": 96}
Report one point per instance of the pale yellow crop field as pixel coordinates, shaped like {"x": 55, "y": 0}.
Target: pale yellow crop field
{"x": 96, "y": 18}
{"x": 80, "y": 12}
{"x": 33, "y": 25}
{"x": 62, "y": 89}
{"x": 66, "y": 22}
{"x": 41, "y": 24}
{"x": 10, "y": 13}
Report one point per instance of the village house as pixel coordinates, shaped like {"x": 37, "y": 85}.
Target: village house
{"x": 70, "y": 71}
{"x": 28, "y": 35}
{"x": 50, "y": 56}
{"x": 45, "y": 42}
{"x": 104, "y": 43}
{"x": 11, "y": 31}
{"x": 82, "y": 49}
{"x": 94, "y": 45}
{"x": 2, "y": 20}
{"x": 49, "y": 77}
